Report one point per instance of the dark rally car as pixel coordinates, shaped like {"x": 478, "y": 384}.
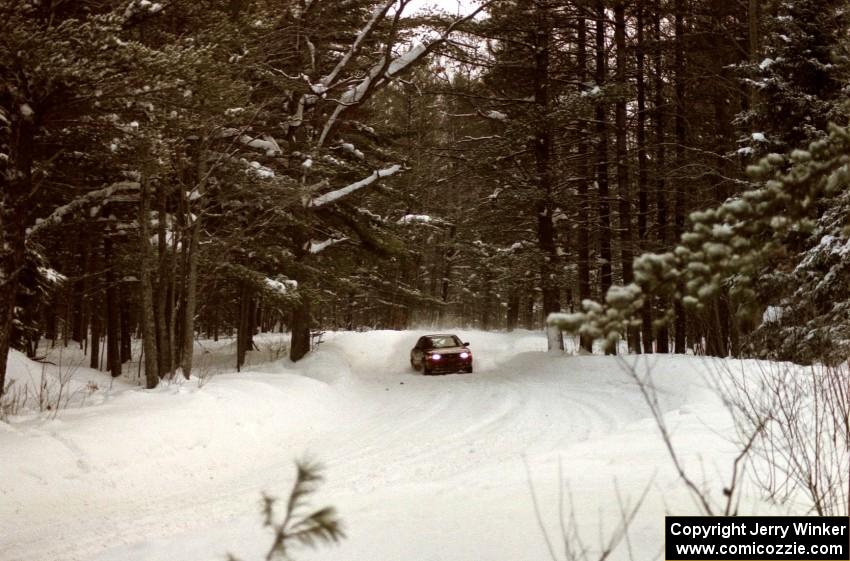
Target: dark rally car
{"x": 441, "y": 354}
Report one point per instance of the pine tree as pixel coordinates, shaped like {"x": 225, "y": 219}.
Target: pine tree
{"x": 730, "y": 244}
{"x": 801, "y": 85}
{"x": 54, "y": 122}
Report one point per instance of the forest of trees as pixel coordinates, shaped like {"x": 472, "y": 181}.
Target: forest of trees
{"x": 673, "y": 173}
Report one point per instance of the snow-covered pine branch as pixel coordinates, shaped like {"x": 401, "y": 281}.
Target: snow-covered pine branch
{"x": 351, "y": 149}
{"x": 493, "y": 115}
{"x": 318, "y": 247}
{"x": 422, "y": 219}
{"x": 282, "y": 287}
{"x": 82, "y": 202}
{"x": 480, "y": 138}
{"x": 385, "y": 71}
{"x": 142, "y": 8}
{"x": 379, "y": 73}
{"x": 334, "y": 196}
{"x": 377, "y": 15}
{"x": 266, "y": 143}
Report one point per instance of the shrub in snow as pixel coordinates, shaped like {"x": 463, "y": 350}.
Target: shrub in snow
{"x": 779, "y": 407}
{"x": 296, "y": 527}
{"x": 44, "y": 389}
{"x": 13, "y": 400}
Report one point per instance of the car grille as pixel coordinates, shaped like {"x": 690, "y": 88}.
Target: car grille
{"x": 449, "y": 362}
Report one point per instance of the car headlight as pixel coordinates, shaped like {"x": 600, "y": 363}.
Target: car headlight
{"x": 435, "y": 356}
{"x": 464, "y": 355}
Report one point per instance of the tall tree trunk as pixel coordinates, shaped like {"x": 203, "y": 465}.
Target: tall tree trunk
{"x": 126, "y": 331}
{"x": 94, "y": 340}
{"x": 50, "y": 320}
{"x": 149, "y": 340}
{"x": 549, "y": 270}
{"x": 162, "y": 288}
{"x": 643, "y": 170}
{"x": 513, "y": 309}
{"x": 93, "y": 296}
{"x": 583, "y": 206}
{"x": 81, "y": 288}
{"x": 606, "y": 277}
{"x": 487, "y": 301}
{"x": 715, "y": 330}
{"x": 681, "y": 138}
{"x": 300, "y": 325}
{"x": 734, "y": 333}
{"x": 754, "y": 43}
{"x": 528, "y": 312}
{"x": 349, "y": 312}
{"x": 67, "y": 323}
{"x": 251, "y": 322}
{"x": 623, "y": 190}
{"x": 191, "y": 297}
{"x": 173, "y": 301}
{"x": 113, "y": 313}
{"x": 723, "y": 188}
{"x": 449, "y": 254}
{"x": 243, "y": 326}
{"x": 192, "y": 261}
{"x": 664, "y": 232}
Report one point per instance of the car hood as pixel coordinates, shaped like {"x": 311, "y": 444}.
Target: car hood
{"x": 449, "y": 351}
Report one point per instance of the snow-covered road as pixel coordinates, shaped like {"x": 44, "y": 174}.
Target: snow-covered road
{"x": 420, "y": 468}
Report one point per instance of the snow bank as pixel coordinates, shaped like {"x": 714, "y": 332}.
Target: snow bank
{"x": 59, "y": 382}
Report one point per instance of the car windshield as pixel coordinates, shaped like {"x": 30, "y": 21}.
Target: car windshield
{"x": 444, "y": 342}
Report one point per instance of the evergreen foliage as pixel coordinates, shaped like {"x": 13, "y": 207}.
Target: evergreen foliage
{"x": 801, "y": 78}
{"x": 802, "y": 86}
{"x": 298, "y": 527}
{"x": 218, "y": 168}
{"x": 731, "y": 244}
{"x": 211, "y": 149}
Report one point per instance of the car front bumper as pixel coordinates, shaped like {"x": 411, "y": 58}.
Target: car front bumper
{"x": 448, "y": 366}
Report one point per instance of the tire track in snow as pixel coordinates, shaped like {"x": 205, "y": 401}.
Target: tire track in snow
{"x": 438, "y": 424}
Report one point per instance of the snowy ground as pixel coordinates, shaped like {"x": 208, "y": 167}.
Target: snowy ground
{"x": 442, "y": 468}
